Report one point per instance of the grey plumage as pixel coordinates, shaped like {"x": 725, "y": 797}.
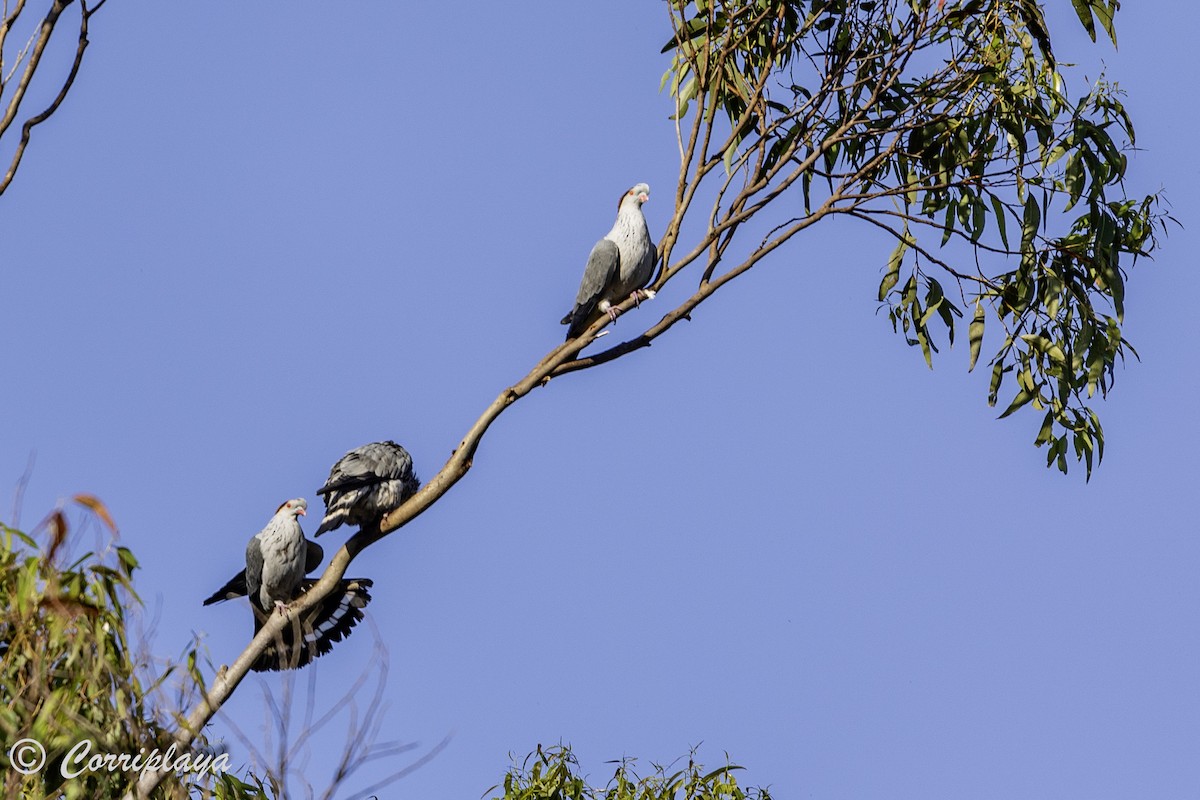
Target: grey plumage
{"x": 620, "y": 265}
{"x": 236, "y": 586}
{"x": 277, "y": 560}
{"x": 365, "y": 484}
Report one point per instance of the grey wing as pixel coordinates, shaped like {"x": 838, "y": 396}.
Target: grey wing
{"x": 336, "y": 475}
{"x": 235, "y": 587}
{"x": 651, "y": 275}
{"x": 313, "y": 556}
{"x": 388, "y": 460}
{"x": 254, "y": 568}
{"x": 365, "y": 465}
{"x": 603, "y": 267}
{"x": 359, "y": 482}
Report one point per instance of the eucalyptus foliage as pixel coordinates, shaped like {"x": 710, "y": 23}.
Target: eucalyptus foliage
{"x": 68, "y": 672}
{"x": 553, "y": 774}
{"x": 951, "y": 127}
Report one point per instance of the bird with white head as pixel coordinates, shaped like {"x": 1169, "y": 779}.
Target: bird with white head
{"x": 277, "y": 560}
{"x": 621, "y": 265}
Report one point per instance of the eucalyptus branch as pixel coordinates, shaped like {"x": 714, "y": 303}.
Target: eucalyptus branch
{"x": 460, "y": 462}
{"x": 702, "y": 293}
{"x": 5, "y": 26}
{"x": 866, "y": 216}
{"x": 559, "y": 361}
{"x": 45, "y": 31}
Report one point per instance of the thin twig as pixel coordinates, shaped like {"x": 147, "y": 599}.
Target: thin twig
{"x": 27, "y": 129}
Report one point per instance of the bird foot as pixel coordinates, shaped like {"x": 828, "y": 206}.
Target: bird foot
{"x": 613, "y": 313}
{"x": 642, "y": 294}
{"x": 281, "y": 608}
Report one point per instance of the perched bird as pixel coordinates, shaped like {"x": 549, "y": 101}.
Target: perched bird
{"x": 277, "y": 559}
{"x": 621, "y": 265}
{"x": 365, "y": 484}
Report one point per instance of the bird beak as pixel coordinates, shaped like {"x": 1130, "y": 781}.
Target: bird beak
{"x": 303, "y": 513}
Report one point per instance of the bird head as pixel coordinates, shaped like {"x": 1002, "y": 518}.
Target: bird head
{"x": 297, "y": 507}
{"x": 638, "y": 195}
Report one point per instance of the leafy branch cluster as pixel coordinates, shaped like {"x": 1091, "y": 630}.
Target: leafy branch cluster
{"x": 69, "y": 675}
{"x": 552, "y": 773}
{"x": 67, "y": 671}
{"x": 950, "y": 128}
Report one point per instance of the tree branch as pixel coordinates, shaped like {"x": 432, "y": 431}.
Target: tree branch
{"x": 47, "y": 29}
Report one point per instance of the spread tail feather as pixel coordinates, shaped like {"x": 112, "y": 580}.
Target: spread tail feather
{"x": 314, "y": 633}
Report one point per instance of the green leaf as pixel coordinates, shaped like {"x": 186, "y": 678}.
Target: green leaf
{"x": 929, "y": 311}
{"x": 1047, "y": 430}
{"x": 1104, "y": 13}
{"x": 1021, "y": 399}
{"x": 1084, "y": 10}
{"x": 128, "y": 560}
{"x": 1098, "y": 433}
{"x": 978, "y": 219}
{"x": 694, "y": 27}
{"x": 923, "y": 340}
{"x": 947, "y": 311}
{"x": 1001, "y": 224}
{"x": 975, "y": 334}
{"x": 779, "y": 148}
{"x": 1116, "y": 286}
{"x": 994, "y": 385}
{"x": 891, "y": 277}
{"x": 1073, "y": 180}
{"x": 688, "y": 91}
{"x": 1025, "y": 379}
{"x": 730, "y": 152}
{"x": 1031, "y": 221}
{"x": 948, "y": 225}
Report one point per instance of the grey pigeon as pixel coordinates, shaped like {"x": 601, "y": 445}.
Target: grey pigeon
{"x": 277, "y": 560}
{"x": 621, "y": 265}
{"x": 365, "y": 484}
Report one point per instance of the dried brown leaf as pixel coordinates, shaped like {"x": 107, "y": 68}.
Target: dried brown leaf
{"x": 93, "y": 504}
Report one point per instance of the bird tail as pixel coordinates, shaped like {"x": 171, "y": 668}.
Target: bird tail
{"x": 578, "y": 320}
{"x": 333, "y": 518}
{"x": 314, "y": 632}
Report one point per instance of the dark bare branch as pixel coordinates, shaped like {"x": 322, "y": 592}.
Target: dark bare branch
{"x": 45, "y": 32}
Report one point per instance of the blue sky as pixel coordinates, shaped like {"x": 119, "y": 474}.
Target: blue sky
{"x": 251, "y": 240}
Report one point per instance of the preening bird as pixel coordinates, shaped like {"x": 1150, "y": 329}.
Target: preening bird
{"x": 620, "y": 265}
{"x": 365, "y": 484}
{"x": 277, "y": 560}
